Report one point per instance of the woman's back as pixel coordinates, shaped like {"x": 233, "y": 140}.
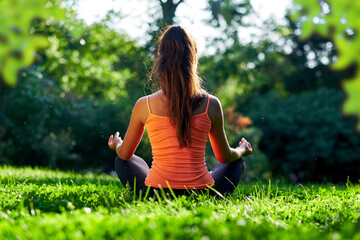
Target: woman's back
{"x": 179, "y": 119}
{"x": 182, "y": 168}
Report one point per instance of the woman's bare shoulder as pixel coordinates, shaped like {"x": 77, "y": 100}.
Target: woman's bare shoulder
{"x": 141, "y": 108}
{"x": 214, "y": 100}
{"x": 143, "y": 100}
{"x": 215, "y": 110}
{"x": 157, "y": 93}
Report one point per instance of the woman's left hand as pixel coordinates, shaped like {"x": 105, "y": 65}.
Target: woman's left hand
{"x": 245, "y": 146}
{"x": 115, "y": 141}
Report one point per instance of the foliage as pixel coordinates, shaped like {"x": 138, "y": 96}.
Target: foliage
{"x": 310, "y": 60}
{"x": 78, "y": 93}
{"x": 337, "y": 20}
{"x": 227, "y": 16}
{"x": 231, "y": 13}
{"x": 40, "y": 203}
{"x": 18, "y": 44}
{"x": 257, "y": 164}
{"x": 235, "y": 120}
{"x": 59, "y": 132}
{"x": 103, "y": 64}
{"x": 29, "y": 131}
{"x": 232, "y": 73}
{"x": 305, "y": 136}
{"x": 243, "y": 76}
{"x": 83, "y": 87}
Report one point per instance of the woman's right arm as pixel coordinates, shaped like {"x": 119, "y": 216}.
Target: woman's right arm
{"x": 220, "y": 145}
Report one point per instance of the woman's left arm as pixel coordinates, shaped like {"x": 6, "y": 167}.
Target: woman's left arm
{"x": 126, "y": 148}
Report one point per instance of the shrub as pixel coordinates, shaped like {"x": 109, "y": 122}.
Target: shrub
{"x": 306, "y": 137}
{"x": 40, "y": 126}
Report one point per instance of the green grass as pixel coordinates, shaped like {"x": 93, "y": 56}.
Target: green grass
{"x": 44, "y": 204}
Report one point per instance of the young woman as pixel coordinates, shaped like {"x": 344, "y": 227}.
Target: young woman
{"x": 178, "y": 118}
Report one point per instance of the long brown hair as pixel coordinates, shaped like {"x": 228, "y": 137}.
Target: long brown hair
{"x": 175, "y": 67}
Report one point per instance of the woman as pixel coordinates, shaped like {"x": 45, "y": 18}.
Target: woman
{"x": 178, "y": 119}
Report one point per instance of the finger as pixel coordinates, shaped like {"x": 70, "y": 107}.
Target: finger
{"x": 249, "y": 146}
{"x": 117, "y": 134}
{"x": 110, "y": 138}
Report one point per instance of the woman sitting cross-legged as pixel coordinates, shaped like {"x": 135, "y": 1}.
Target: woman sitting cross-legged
{"x": 178, "y": 118}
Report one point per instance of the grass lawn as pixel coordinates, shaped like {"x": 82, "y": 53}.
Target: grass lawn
{"x": 44, "y": 204}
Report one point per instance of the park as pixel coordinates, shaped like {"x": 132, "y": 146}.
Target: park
{"x": 288, "y": 81}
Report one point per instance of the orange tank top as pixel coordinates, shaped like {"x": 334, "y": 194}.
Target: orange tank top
{"x": 181, "y": 169}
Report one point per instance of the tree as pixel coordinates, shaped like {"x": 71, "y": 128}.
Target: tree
{"x": 168, "y": 12}
{"x": 78, "y": 91}
{"x": 17, "y": 43}
{"x": 168, "y": 9}
{"x": 338, "y": 21}
{"x": 231, "y": 13}
{"x": 293, "y": 100}
{"x": 311, "y": 59}
{"x": 103, "y": 64}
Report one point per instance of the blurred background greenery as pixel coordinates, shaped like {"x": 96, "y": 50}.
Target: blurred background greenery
{"x": 66, "y": 85}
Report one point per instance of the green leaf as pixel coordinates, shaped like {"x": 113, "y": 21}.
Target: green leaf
{"x": 33, "y": 44}
{"x": 346, "y": 53}
{"x": 343, "y": 15}
{"x": 351, "y": 105}
{"x": 11, "y": 69}
{"x": 16, "y": 18}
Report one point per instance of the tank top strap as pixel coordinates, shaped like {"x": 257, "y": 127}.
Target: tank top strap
{"x": 207, "y": 106}
{"x": 148, "y": 104}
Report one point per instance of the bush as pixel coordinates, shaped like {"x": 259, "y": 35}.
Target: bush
{"x": 30, "y": 124}
{"x": 306, "y": 137}
{"x": 40, "y": 126}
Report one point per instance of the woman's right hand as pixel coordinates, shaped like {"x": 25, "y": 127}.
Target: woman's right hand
{"x": 115, "y": 141}
{"x": 245, "y": 147}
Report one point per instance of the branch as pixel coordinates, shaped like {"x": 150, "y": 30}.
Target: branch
{"x": 180, "y": 1}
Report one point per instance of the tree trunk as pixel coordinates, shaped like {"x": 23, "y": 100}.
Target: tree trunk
{"x": 169, "y": 8}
